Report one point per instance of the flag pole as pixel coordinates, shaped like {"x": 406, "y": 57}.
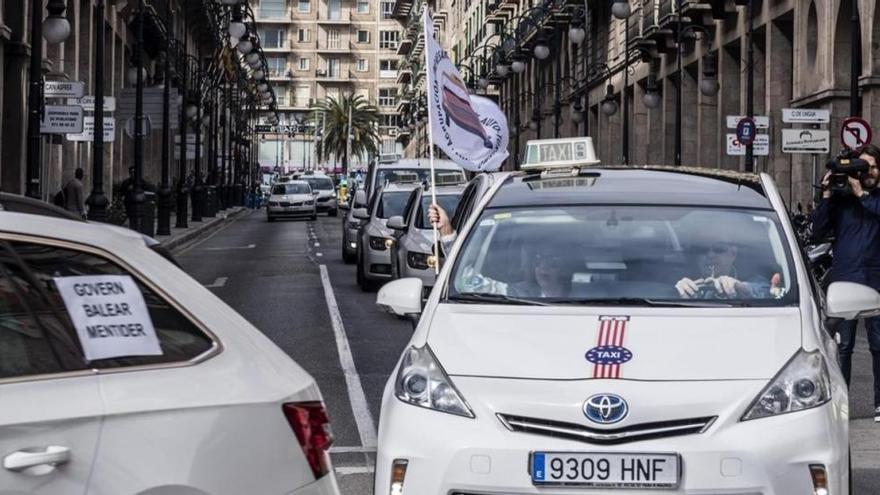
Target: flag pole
{"x": 428, "y": 74}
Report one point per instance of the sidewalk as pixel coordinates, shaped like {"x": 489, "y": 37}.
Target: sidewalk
{"x": 195, "y": 230}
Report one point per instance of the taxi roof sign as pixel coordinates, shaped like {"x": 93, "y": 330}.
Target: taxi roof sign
{"x": 545, "y": 154}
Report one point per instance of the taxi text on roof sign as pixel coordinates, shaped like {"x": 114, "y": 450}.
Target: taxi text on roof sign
{"x": 559, "y": 153}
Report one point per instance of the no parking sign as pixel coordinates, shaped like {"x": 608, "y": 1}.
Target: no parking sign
{"x": 855, "y": 133}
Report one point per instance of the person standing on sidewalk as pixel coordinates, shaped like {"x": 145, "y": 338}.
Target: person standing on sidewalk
{"x": 74, "y": 195}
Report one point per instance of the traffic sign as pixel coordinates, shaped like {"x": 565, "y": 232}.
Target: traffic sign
{"x": 88, "y": 103}
{"x": 61, "y": 119}
{"x": 855, "y": 133}
{"x": 760, "y": 147}
{"x": 88, "y": 133}
{"x": 761, "y": 121}
{"x": 63, "y": 89}
{"x": 746, "y": 130}
{"x": 806, "y": 141}
{"x": 806, "y": 116}
{"x": 146, "y": 126}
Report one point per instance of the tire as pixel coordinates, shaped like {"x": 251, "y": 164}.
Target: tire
{"x": 346, "y": 257}
{"x": 360, "y": 273}
{"x": 332, "y": 213}
{"x": 270, "y": 218}
{"x": 313, "y": 217}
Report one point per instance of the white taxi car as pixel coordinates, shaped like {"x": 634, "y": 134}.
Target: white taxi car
{"x": 620, "y": 330}
{"x": 119, "y": 373}
{"x": 294, "y": 198}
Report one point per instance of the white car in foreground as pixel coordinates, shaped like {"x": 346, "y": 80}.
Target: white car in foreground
{"x": 610, "y": 330}
{"x": 120, "y": 374}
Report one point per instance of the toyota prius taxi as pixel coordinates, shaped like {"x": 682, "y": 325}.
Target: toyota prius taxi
{"x": 620, "y": 330}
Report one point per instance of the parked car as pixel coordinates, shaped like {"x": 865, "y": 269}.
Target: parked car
{"x": 294, "y": 198}
{"x": 620, "y": 329}
{"x": 375, "y": 237}
{"x": 326, "y": 198}
{"x": 412, "y": 252}
{"x": 379, "y": 174}
{"x": 119, "y": 373}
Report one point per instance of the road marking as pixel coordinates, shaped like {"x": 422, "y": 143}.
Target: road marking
{"x": 249, "y": 246}
{"x": 317, "y": 244}
{"x": 362, "y": 416}
{"x": 318, "y": 254}
{"x": 348, "y": 470}
{"x": 354, "y": 449}
{"x": 219, "y": 282}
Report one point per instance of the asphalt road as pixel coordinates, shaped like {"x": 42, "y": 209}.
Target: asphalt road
{"x": 272, "y": 275}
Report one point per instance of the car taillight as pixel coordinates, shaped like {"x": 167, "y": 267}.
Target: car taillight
{"x": 312, "y": 428}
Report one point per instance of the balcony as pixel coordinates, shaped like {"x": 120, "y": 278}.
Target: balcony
{"x": 405, "y": 46}
{"x": 402, "y": 9}
{"x": 338, "y": 18}
{"x": 404, "y": 75}
{"x": 272, "y": 16}
{"x": 338, "y": 77}
{"x": 334, "y": 47}
{"x": 280, "y": 74}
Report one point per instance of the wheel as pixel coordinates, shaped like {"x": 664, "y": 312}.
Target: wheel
{"x": 346, "y": 257}
{"x": 313, "y": 217}
{"x": 333, "y": 212}
{"x": 270, "y": 218}
{"x": 360, "y": 272}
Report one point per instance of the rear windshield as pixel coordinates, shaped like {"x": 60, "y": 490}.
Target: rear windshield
{"x": 319, "y": 183}
{"x": 417, "y": 175}
{"x": 392, "y": 203}
{"x": 291, "y": 189}
{"x": 613, "y": 254}
{"x": 446, "y": 201}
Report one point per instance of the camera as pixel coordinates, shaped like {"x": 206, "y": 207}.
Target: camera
{"x": 842, "y": 168}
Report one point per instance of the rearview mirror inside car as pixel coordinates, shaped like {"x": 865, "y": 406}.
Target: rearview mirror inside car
{"x": 849, "y": 301}
{"x": 402, "y": 297}
{"x": 361, "y": 214}
{"x": 396, "y": 223}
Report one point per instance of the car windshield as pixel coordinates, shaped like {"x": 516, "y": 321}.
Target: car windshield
{"x": 446, "y": 201}
{"x": 389, "y": 175}
{"x": 319, "y": 183}
{"x": 291, "y": 189}
{"x": 641, "y": 255}
{"x": 392, "y": 203}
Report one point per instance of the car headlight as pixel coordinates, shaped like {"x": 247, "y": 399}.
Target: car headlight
{"x": 420, "y": 261}
{"x": 310, "y": 202}
{"x": 377, "y": 243}
{"x": 802, "y": 384}
{"x": 422, "y": 382}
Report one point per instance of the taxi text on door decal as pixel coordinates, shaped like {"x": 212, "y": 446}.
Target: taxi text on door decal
{"x": 609, "y": 353}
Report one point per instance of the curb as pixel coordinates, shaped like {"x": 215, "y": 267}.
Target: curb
{"x": 195, "y": 233}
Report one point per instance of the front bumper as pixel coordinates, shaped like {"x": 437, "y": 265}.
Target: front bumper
{"x": 280, "y": 211}
{"x": 480, "y": 456}
{"x": 349, "y": 239}
{"x": 377, "y": 264}
{"x": 326, "y": 204}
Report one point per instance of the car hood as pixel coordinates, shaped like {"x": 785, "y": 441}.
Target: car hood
{"x": 325, "y": 193}
{"x": 378, "y": 228}
{"x": 291, "y": 197}
{"x": 561, "y": 343}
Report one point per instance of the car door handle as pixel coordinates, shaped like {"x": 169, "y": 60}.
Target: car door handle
{"x": 27, "y": 458}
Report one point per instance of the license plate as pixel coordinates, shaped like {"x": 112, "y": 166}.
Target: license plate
{"x": 606, "y": 470}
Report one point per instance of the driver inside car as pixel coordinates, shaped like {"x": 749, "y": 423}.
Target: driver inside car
{"x": 549, "y": 276}
{"x": 716, "y": 275}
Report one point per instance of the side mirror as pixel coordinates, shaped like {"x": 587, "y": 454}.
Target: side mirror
{"x": 361, "y": 214}
{"x": 314, "y": 193}
{"x": 849, "y": 301}
{"x": 360, "y": 198}
{"x": 402, "y": 297}
{"x": 396, "y": 223}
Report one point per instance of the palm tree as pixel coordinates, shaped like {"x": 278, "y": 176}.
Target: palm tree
{"x": 332, "y": 117}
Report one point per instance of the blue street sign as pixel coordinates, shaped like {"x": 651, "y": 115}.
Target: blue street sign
{"x": 745, "y": 131}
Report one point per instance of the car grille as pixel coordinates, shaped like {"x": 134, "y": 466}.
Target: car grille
{"x": 380, "y": 268}
{"x": 632, "y": 433}
{"x": 287, "y": 203}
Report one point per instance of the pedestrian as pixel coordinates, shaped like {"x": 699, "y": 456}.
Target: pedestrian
{"x": 127, "y": 188}
{"x": 853, "y": 218}
{"x": 74, "y": 196}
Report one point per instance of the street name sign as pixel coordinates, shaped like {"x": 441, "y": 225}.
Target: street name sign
{"x": 61, "y": 119}
{"x": 806, "y": 141}
{"x": 806, "y": 116}
{"x": 760, "y": 147}
{"x": 761, "y": 121}
{"x": 855, "y": 133}
{"x": 64, "y": 89}
{"x": 88, "y": 103}
{"x": 88, "y": 132}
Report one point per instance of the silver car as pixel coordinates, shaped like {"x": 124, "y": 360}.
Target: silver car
{"x": 375, "y": 238}
{"x": 291, "y": 199}
{"x": 411, "y": 253}
{"x": 325, "y": 201}
{"x": 408, "y": 170}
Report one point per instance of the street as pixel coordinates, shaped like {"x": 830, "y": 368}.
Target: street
{"x": 288, "y": 279}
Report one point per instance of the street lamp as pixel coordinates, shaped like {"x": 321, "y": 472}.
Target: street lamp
{"x": 651, "y": 98}
{"x": 620, "y": 9}
{"x": 502, "y": 69}
{"x": 577, "y": 112}
{"x": 609, "y": 103}
{"x": 541, "y": 50}
{"x": 56, "y": 28}
{"x": 245, "y": 45}
{"x": 709, "y": 82}
{"x": 576, "y": 32}
{"x": 518, "y": 66}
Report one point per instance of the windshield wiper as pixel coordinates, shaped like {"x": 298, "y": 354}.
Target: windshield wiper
{"x": 641, "y": 301}
{"x": 487, "y": 297}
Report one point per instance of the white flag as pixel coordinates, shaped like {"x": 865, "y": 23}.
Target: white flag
{"x": 472, "y": 130}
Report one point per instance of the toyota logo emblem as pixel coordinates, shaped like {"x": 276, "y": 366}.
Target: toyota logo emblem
{"x": 605, "y": 409}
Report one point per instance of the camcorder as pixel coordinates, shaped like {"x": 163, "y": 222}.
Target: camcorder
{"x": 842, "y": 168}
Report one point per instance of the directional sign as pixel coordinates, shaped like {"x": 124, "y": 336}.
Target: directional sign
{"x": 855, "y": 133}
{"x": 61, "y": 119}
{"x": 88, "y": 133}
{"x": 88, "y": 103}
{"x": 806, "y": 141}
{"x": 761, "y": 146}
{"x": 761, "y": 121}
{"x": 806, "y": 116}
{"x": 746, "y": 130}
{"x": 64, "y": 89}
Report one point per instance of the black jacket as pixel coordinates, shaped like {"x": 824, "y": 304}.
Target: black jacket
{"x": 855, "y": 225}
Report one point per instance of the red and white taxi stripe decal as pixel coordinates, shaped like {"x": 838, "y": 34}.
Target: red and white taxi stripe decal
{"x": 612, "y": 330}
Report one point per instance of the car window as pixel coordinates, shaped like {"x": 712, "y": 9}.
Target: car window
{"x": 319, "y": 183}
{"x": 36, "y": 332}
{"x": 291, "y": 189}
{"x": 391, "y": 175}
{"x": 392, "y": 203}
{"x": 411, "y": 203}
{"x": 449, "y": 202}
{"x": 613, "y": 252}
{"x": 464, "y": 206}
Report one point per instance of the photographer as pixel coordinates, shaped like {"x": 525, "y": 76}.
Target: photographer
{"x": 850, "y": 211}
